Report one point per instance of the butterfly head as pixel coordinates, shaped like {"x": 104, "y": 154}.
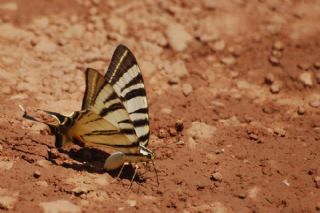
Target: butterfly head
{"x": 147, "y": 153}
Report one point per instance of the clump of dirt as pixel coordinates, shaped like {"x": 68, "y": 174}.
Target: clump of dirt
{"x": 234, "y": 98}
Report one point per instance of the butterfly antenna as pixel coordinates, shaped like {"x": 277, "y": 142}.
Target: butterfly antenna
{"x": 155, "y": 171}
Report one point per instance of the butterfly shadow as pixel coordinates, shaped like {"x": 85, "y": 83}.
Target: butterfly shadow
{"x": 92, "y": 161}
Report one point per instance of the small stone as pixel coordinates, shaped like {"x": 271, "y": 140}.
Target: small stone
{"x": 269, "y": 78}
{"x": 178, "y": 37}
{"x": 317, "y": 181}
{"x": 306, "y": 78}
{"x": 201, "y": 130}
{"x": 318, "y": 206}
{"x": 253, "y": 136}
{"x": 279, "y": 131}
{"x": 43, "y": 163}
{"x": 41, "y": 22}
{"x": 275, "y": 88}
{"x": 301, "y": 110}
{"x": 278, "y": 45}
{"x": 304, "y": 66}
{"x": 36, "y": 174}
{"x": 219, "y": 45}
{"x": 186, "y": 89}
{"x": 53, "y": 153}
{"x": 1, "y": 148}
{"x": 274, "y": 61}
{"x": 276, "y": 53}
{"x": 253, "y": 192}
{"x": 315, "y": 103}
{"x": 286, "y": 182}
{"x": 131, "y": 203}
{"x": 162, "y": 133}
{"x": 241, "y": 194}
{"x": 229, "y": 60}
{"x": 6, "y": 165}
{"x": 179, "y": 125}
{"x": 209, "y": 4}
{"x": 317, "y": 77}
{"x": 243, "y": 85}
{"x": 173, "y": 132}
{"x": 179, "y": 69}
{"x": 191, "y": 143}
{"x": 80, "y": 190}
{"x": 317, "y": 65}
{"x": 45, "y": 45}
{"x": 119, "y": 25}
{"x": 7, "y": 202}
{"x": 59, "y": 206}
{"x": 75, "y": 31}
{"x": 216, "y": 176}
{"x": 10, "y": 6}
{"x": 42, "y": 183}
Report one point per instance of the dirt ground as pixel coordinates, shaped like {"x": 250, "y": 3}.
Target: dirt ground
{"x": 234, "y": 96}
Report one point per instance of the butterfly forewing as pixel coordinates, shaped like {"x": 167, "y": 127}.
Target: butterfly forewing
{"x": 125, "y": 77}
{"x": 94, "y": 81}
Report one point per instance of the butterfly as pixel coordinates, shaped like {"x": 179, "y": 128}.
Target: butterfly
{"x": 114, "y": 115}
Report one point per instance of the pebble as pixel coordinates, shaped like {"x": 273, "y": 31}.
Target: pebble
{"x": 243, "y": 85}
{"x": 279, "y": 131}
{"x": 201, "y": 130}
{"x": 179, "y": 68}
{"x": 315, "y": 103}
{"x": 186, "y": 89}
{"x": 274, "y": 60}
{"x": 275, "y": 88}
{"x": 253, "y": 136}
{"x": 1, "y": 148}
{"x": 59, "y": 206}
{"x": 131, "y": 203}
{"x": 304, "y": 66}
{"x": 43, "y": 163}
{"x": 45, "y": 45}
{"x": 6, "y": 165}
{"x": 178, "y": 37}
{"x": 36, "y": 174}
{"x": 173, "y": 132}
{"x": 317, "y": 65}
{"x": 269, "y": 78}
{"x": 75, "y": 31}
{"x": 118, "y": 25}
{"x": 216, "y": 176}
{"x": 179, "y": 125}
{"x": 228, "y": 60}
{"x": 191, "y": 143}
{"x": 317, "y": 76}
{"x": 209, "y": 4}
{"x": 306, "y": 78}
{"x": 42, "y": 183}
{"x": 162, "y": 133}
{"x": 10, "y": 6}
{"x": 317, "y": 181}
{"x": 7, "y": 202}
{"x": 301, "y": 110}
{"x": 41, "y": 22}
{"x": 219, "y": 45}
{"x": 253, "y": 192}
{"x": 278, "y": 45}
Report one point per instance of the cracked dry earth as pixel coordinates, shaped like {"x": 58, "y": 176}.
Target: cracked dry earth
{"x": 234, "y": 97}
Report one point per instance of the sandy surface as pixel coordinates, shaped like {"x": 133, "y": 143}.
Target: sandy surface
{"x": 241, "y": 78}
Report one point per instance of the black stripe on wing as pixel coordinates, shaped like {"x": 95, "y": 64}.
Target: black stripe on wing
{"x": 111, "y": 108}
{"x": 141, "y": 110}
{"x": 139, "y": 92}
{"x": 121, "y": 61}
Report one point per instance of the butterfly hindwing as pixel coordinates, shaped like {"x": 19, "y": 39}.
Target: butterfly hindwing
{"x": 125, "y": 76}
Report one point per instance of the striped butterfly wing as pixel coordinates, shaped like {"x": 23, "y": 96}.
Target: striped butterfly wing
{"x": 94, "y": 81}
{"x": 125, "y": 77}
{"x": 104, "y": 121}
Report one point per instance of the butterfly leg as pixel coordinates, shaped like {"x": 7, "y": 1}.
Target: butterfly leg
{"x": 120, "y": 172}
{"x": 134, "y": 175}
